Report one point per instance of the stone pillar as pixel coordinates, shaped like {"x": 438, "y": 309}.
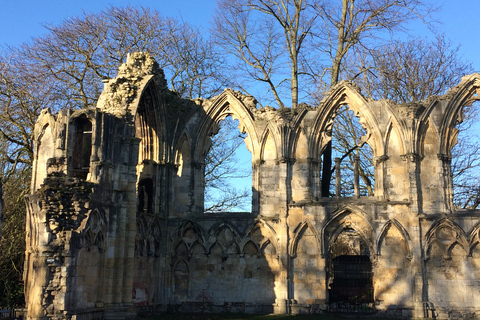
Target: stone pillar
{"x": 415, "y": 192}
{"x": 338, "y": 178}
{"x": 356, "y": 176}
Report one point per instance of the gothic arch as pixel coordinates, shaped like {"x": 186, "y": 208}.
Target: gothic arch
{"x": 228, "y": 103}
{"x": 95, "y": 230}
{"x": 182, "y": 235}
{"x": 183, "y": 151}
{"x": 294, "y": 132}
{"x": 268, "y": 233}
{"x": 465, "y": 93}
{"x": 393, "y": 126}
{"x": 342, "y": 219}
{"x": 473, "y": 238}
{"x": 446, "y": 234}
{"x": 269, "y": 133}
{"x": 298, "y": 234}
{"x": 344, "y": 93}
{"x": 386, "y": 227}
{"x": 149, "y": 125}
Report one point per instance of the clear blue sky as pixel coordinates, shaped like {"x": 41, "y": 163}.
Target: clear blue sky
{"x": 22, "y": 19}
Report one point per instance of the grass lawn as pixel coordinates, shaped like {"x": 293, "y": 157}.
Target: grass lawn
{"x": 210, "y": 316}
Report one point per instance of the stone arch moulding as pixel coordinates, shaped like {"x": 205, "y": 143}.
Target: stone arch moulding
{"x": 345, "y": 93}
{"x": 149, "y": 115}
{"x": 386, "y": 227}
{"x": 298, "y": 234}
{"x": 465, "y": 93}
{"x": 338, "y": 226}
{"x": 269, "y": 132}
{"x": 445, "y": 242}
{"x": 393, "y": 126}
{"x": 473, "y": 238}
{"x": 226, "y": 104}
{"x": 216, "y": 229}
{"x": 179, "y": 236}
{"x": 270, "y": 235}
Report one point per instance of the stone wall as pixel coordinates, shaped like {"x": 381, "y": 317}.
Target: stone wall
{"x": 116, "y": 225}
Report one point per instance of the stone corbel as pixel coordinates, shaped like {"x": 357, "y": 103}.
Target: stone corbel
{"x": 378, "y": 160}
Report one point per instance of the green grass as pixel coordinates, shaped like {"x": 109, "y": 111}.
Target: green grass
{"x": 231, "y": 316}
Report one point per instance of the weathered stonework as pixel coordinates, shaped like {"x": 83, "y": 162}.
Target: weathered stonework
{"x": 116, "y": 226}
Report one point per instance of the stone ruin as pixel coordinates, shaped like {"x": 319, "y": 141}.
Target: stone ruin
{"x": 116, "y": 223}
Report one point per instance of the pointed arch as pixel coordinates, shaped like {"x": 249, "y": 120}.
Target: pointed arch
{"x": 183, "y": 235}
{"x": 345, "y": 218}
{"x": 386, "y": 227}
{"x": 465, "y": 93}
{"x": 268, "y": 234}
{"x": 214, "y": 233}
{"x": 269, "y": 146}
{"x": 298, "y": 234}
{"x": 393, "y": 127}
{"x": 149, "y": 118}
{"x": 228, "y": 103}
{"x": 345, "y": 93}
{"x": 473, "y": 238}
{"x": 446, "y": 234}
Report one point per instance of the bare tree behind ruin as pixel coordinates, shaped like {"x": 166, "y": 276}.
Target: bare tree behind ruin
{"x": 64, "y": 69}
{"x": 410, "y": 72}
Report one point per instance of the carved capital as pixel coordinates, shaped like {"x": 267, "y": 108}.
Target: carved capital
{"x": 286, "y": 160}
{"x": 258, "y": 162}
{"x": 444, "y": 157}
{"x": 412, "y": 157}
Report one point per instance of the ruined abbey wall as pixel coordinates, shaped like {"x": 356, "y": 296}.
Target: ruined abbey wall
{"x": 116, "y": 224}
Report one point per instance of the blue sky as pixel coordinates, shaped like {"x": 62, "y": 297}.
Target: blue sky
{"x": 22, "y": 19}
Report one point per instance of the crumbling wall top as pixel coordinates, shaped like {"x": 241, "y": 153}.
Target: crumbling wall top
{"x": 124, "y": 90}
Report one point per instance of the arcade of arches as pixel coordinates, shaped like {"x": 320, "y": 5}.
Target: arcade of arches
{"x": 116, "y": 226}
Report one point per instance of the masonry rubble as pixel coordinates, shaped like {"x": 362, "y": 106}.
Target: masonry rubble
{"x": 116, "y": 226}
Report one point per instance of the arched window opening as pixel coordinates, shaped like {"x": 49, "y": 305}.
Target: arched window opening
{"x": 465, "y": 163}
{"x": 351, "y": 276}
{"x": 81, "y": 147}
{"x": 228, "y": 171}
{"x": 146, "y": 127}
{"x": 145, "y": 195}
{"x": 352, "y": 165}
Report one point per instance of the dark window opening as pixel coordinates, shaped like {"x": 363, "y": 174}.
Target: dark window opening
{"x": 82, "y": 147}
{"x": 145, "y": 196}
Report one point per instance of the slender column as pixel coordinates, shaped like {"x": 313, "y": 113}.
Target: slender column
{"x": 338, "y": 178}
{"x": 356, "y": 176}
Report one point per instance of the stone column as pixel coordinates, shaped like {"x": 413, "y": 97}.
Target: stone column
{"x": 415, "y": 192}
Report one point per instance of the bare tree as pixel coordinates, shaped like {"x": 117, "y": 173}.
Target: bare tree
{"x": 279, "y": 41}
{"x": 409, "y": 71}
{"x": 267, "y": 38}
{"x": 223, "y": 171}
{"x": 413, "y": 70}
{"x": 82, "y": 51}
{"x": 466, "y": 160}
{"x": 348, "y": 143}
{"x": 64, "y": 69}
